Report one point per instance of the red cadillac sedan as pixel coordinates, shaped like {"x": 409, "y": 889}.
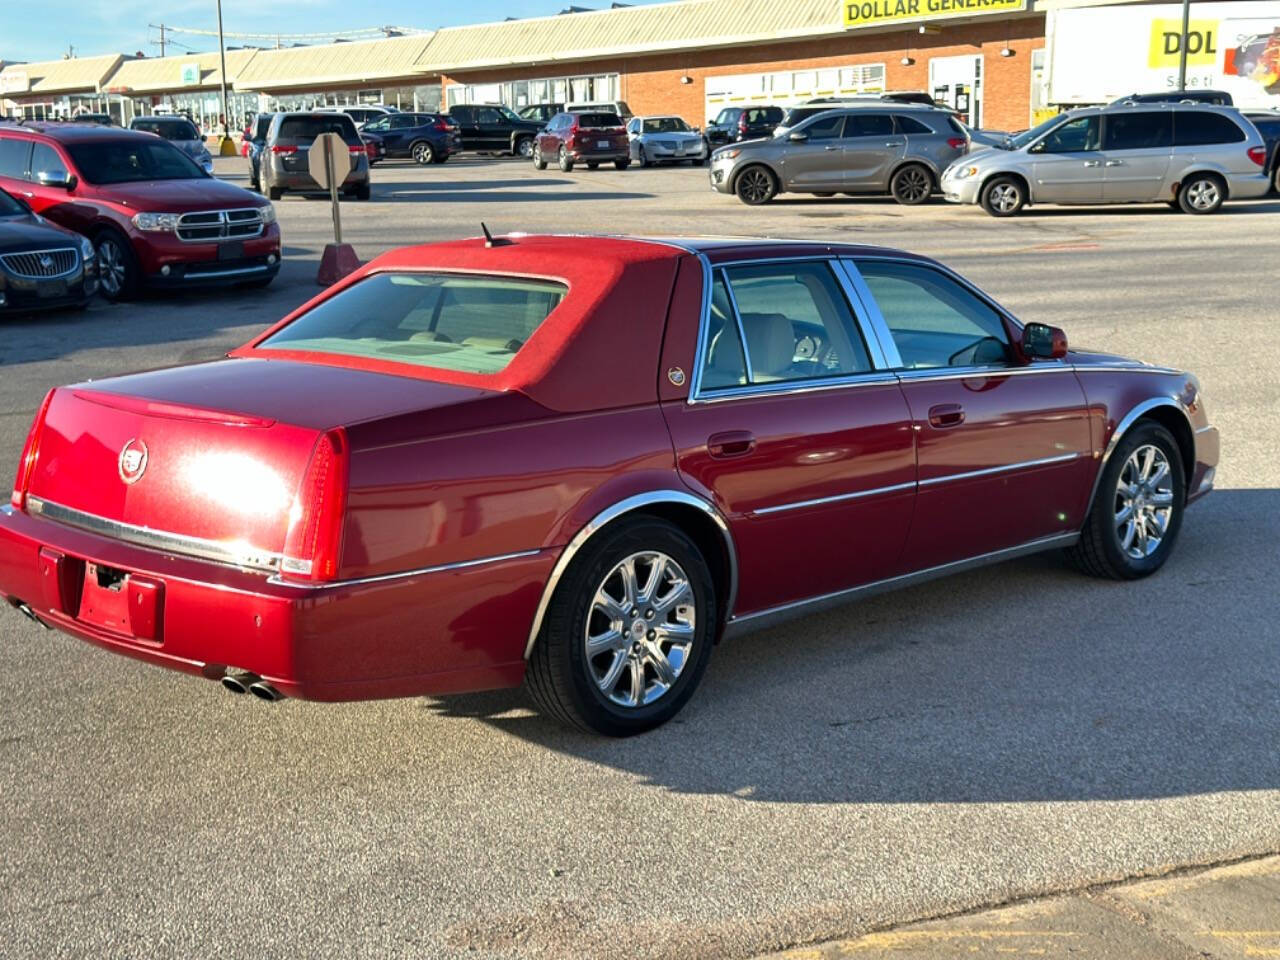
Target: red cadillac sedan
{"x": 581, "y": 462}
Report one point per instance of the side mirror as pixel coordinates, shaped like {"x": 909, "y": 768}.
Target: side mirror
{"x": 56, "y": 178}
{"x": 797, "y": 136}
{"x": 1036, "y": 147}
{"x": 1043, "y": 342}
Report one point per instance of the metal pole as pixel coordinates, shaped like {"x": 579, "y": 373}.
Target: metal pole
{"x": 333, "y": 188}
{"x": 1182, "y": 47}
{"x": 222, "y": 55}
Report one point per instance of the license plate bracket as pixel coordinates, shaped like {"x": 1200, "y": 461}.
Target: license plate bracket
{"x": 50, "y": 289}
{"x": 123, "y": 603}
{"x": 231, "y": 250}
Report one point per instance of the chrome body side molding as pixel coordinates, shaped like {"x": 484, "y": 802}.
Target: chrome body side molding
{"x": 608, "y": 515}
{"x": 277, "y": 580}
{"x": 739, "y": 626}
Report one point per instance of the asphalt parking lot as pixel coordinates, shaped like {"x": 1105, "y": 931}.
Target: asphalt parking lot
{"x": 1013, "y": 731}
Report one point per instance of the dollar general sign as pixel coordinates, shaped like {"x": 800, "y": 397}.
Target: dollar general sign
{"x": 863, "y": 13}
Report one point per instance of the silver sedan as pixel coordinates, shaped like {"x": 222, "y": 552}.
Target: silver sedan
{"x": 665, "y": 139}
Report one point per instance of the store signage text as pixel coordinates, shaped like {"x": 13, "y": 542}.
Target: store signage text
{"x": 862, "y": 13}
{"x": 1166, "y": 43}
{"x": 191, "y": 74}
{"x": 14, "y": 81}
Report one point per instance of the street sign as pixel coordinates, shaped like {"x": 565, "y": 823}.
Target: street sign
{"x": 329, "y": 145}
{"x": 329, "y": 162}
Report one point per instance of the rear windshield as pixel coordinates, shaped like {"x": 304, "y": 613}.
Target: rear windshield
{"x": 261, "y": 125}
{"x": 169, "y": 129}
{"x": 471, "y": 324}
{"x": 599, "y": 120}
{"x": 132, "y": 161}
{"x": 308, "y": 128}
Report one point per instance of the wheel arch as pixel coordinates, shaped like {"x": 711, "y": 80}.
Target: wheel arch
{"x": 1013, "y": 174}
{"x": 1204, "y": 169}
{"x": 697, "y": 518}
{"x": 919, "y": 162}
{"x": 1165, "y": 411}
{"x": 737, "y": 174}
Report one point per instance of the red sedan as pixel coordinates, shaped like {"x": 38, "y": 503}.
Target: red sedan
{"x": 582, "y": 462}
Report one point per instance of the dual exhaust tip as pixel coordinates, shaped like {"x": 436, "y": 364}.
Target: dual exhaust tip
{"x": 244, "y": 682}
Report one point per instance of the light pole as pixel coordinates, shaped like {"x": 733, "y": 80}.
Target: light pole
{"x": 1182, "y": 46}
{"x": 225, "y": 147}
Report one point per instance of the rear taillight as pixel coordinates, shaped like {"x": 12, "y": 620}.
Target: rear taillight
{"x": 440, "y": 125}
{"x": 357, "y": 148}
{"x": 1258, "y": 155}
{"x": 313, "y": 545}
{"x": 956, "y": 143}
{"x": 279, "y": 148}
{"x": 30, "y": 452}
{"x": 742, "y": 124}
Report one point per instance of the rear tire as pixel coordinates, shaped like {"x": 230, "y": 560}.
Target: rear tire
{"x": 756, "y": 185}
{"x": 824, "y": 196}
{"x": 1004, "y": 197}
{"x": 662, "y": 658}
{"x": 363, "y": 192}
{"x": 523, "y": 148}
{"x": 274, "y": 193}
{"x": 423, "y": 153}
{"x": 698, "y": 161}
{"x": 621, "y": 164}
{"x": 911, "y": 184}
{"x": 1137, "y": 510}
{"x": 566, "y": 162}
{"x": 1202, "y": 193}
{"x": 593, "y": 165}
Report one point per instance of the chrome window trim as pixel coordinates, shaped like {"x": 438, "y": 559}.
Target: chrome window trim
{"x": 761, "y": 619}
{"x": 277, "y": 580}
{"x": 1004, "y": 468}
{"x": 76, "y": 263}
{"x": 838, "y": 498}
{"x": 704, "y": 321}
{"x": 782, "y": 388}
{"x": 238, "y": 555}
{"x": 919, "y": 374}
{"x": 742, "y": 332}
{"x": 608, "y": 515}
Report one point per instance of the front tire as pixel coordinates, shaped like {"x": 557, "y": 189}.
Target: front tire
{"x": 912, "y": 184}
{"x": 539, "y": 161}
{"x": 1202, "y": 193}
{"x": 1137, "y": 511}
{"x": 1004, "y": 197}
{"x": 641, "y": 159}
{"x": 628, "y": 633}
{"x": 621, "y": 164}
{"x": 117, "y": 266}
{"x": 756, "y": 185}
{"x": 593, "y": 165}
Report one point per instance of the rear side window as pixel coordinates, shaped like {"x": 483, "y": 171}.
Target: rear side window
{"x": 1193, "y": 128}
{"x": 826, "y": 128}
{"x": 869, "y": 125}
{"x": 13, "y": 157}
{"x": 594, "y": 120}
{"x": 470, "y": 324}
{"x": 909, "y": 124}
{"x": 935, "y": 322}
{"x": 1141, "y": 130}
{"x": 308, "y": 128}
{"x": 403, "y": 121}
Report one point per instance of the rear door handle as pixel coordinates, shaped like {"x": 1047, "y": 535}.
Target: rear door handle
{"x": 1115, "y": 163}
{"x": 27, "y": 193}
{"x": 830, "y": 148}
{"x": 946, "y": 415}
{"x": 1091, "y": 163}
{"x": 893, "y": 143}
{"x": 731, "y": 443}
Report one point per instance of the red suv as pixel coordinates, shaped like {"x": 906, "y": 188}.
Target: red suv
{"x": 155, "y": 218}
{"x": 589, "y": 138}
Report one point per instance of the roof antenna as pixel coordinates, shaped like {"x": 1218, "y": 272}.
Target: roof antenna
{"x": 490, "y": 240}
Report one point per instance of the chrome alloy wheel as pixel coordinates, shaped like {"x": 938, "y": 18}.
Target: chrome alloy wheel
{"x": 423, "y": 153}
{"x": 112, "y": 269}
{"x": 640, "y": 629}
{"x": 1144, "y": 501}
{"x": 1203, "y": 194}
{"x": 1005, "y": 197}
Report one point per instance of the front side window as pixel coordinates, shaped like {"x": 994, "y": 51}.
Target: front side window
{"x": 1193, "y": 128}
{"x": 934, "y": 321}
{"x": 725, "y": 116}
{"x": 469, "y": 324}
{"x": 131, "y": 161}
{"x": 797, "y": 324}
{"x": 1074, "y": 136}
{"x": 488, "y": 115}
{"x": 826, "y": 128}
{"x": 377, "y": 126}
{"x": 45, "y": 159}
{"x": 1138, "y": 131}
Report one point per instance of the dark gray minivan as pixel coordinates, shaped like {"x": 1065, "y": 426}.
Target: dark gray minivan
{"x": 283, "y": 162}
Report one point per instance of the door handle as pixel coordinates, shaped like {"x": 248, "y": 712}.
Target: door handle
{"x": 830, "y": 148}
{"x": 732, "y": 443}
{"x": 27, "y": 193}
{"x": 893, "y": 143}
{"x": 1091, "y": 163}
{"x": 946, "y": 415}
{"x": 1115, "y": 163}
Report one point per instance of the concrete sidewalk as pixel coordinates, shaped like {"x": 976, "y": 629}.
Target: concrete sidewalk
{"x": 1223, "y": 912}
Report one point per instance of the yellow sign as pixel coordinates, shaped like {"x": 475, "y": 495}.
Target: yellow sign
{"x": 1166, "y": 43}
{"x": 865, "y": 13}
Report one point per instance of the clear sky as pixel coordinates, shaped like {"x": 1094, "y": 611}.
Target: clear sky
{"x": 44, "y": 30}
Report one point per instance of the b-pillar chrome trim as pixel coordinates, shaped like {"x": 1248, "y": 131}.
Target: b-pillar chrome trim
{"x": 607, "y": 516}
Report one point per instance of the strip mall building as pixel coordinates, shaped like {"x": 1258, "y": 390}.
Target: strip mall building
{"x": 1004, "y": 63}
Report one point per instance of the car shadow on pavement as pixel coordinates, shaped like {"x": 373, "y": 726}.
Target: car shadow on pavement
{"x": 1023, "y": 682}
{"x": 412, "y": 193}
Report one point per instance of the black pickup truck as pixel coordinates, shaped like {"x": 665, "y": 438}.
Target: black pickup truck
{"x": 494, "y": 127}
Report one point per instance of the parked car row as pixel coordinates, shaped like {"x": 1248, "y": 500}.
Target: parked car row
{"x": 143, "y": 211}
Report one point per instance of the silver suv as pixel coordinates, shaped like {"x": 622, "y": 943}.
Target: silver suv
{"x": 1191, "y": 156}
{"x": 283, "y": 162}
{"x": 895, "y": 148}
